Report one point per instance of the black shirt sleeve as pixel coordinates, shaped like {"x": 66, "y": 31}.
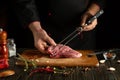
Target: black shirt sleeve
{"x": 26, "y": 11}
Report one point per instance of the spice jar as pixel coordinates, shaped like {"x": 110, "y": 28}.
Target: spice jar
{"x": 11, "y": 47}
{"x": 3, "y": 50}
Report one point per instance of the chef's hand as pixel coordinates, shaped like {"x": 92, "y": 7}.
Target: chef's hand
{"x": 90, "y": 26}
{"x": 91, "y": 11}
{"x": 41, "y": 38}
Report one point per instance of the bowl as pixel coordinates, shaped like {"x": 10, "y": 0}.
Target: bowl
{"x": 109, "y": 55}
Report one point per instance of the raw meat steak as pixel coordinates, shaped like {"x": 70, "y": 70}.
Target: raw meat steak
{"x": 63, "y": 51}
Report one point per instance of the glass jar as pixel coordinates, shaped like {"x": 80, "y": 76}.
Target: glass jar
{"x": 11, "y": 47}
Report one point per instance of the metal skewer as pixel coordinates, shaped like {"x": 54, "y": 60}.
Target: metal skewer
{"x": 71, "y": 35}
{"x": 78, "y": 31}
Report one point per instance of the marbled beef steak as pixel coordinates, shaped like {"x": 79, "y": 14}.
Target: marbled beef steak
{"x": 63, "y": 51}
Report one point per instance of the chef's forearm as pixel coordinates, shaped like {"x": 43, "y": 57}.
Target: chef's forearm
{"x": 35, "y": 26}
{"x": 93, "y": 9}
{"x": 26, "y": 11}
{"x": 95, "y": 6}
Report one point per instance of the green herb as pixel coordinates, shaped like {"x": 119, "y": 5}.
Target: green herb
{"x": 27, "y": 62}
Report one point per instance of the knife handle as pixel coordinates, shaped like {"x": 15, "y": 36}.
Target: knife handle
{"x": 95, "y": 17}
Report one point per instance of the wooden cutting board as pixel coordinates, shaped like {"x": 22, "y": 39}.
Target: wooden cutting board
{"x": 45, "y": 60}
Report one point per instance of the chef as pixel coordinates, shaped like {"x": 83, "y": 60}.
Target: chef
{"x": 50, "y": 21}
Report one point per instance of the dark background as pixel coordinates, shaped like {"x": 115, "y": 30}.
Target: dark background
{"x": 108, "y": 33}
{"x": 107, "y": 29}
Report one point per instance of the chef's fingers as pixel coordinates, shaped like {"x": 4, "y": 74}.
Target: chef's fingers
{"x": 85, "y": 17}
{"x": 83, "y": 21}
{"x": 41, "y": 46}
{"x": 50, "y": 41}
{"x": 91, "y": 26}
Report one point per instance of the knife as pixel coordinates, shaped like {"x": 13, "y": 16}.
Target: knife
{"x": 102, "y": 52}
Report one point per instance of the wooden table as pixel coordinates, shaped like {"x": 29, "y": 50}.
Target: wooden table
{"x": 73, "y": 73}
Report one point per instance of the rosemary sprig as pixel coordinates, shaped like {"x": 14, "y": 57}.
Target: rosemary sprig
{"x": 27, "y": 62}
